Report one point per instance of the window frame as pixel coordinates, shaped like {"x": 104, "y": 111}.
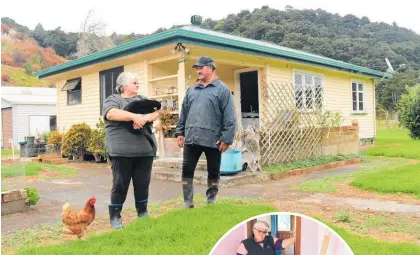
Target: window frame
{"x": 102, "y": 86}
{"x": 70, "y": 91}
{"x": 313, "y": 74}
{"x": 363, "y": 101}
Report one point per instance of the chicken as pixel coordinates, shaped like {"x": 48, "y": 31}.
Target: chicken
{"x": 76, "y": 222}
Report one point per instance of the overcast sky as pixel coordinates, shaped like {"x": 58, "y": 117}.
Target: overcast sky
{"x": 125, "y": 17}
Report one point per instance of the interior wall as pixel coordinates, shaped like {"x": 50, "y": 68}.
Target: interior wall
{"x": 229, "y": 244}
{"x": 313, "y": 235}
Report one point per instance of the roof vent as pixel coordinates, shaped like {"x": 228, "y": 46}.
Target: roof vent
{"x": 196, "y": 20}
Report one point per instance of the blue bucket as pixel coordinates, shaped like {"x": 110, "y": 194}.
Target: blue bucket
{"x": 231, "y": 162}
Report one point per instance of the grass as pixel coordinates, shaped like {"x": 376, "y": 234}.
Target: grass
{"x": 324, "y": 185}
{"x": 365, "y": 245}
{"x": 33, "y": 169}
{"x": 391, "y": 179}
{"x": 168, "y": 233}
{"x": 201, "y": 228}
{"x": 18, "y": 77}
{"x": 309, "y": 163}
{"x": 8, "y": 153}
{"x": 395, "y": 143}
{"x": 328, "y": 184}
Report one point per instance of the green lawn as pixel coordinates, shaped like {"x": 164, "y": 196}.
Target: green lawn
{"x": 309, "y": 163}
{"x": 32, "y": 169}
{"x": 177, "y": 232}
{"x": 395, "y": 143}
{"x": 391, "y": 179}
{"x": 200, "y": 228}
{"x": 365, "y": 245}
{"x": 396, "y": 176}
{"x": 8, "y": 153}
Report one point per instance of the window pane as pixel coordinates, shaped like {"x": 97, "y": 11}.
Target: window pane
{"x": 298, "y": 79}
{"x": 299, "y": 97}
{"x": 360, "y": 87}
{"x": 361, "y": 97}
{"x": 284, "y": 222}
{"x": 354, "y": 96}
{"x": 308, "y": 79}
{"x": 74, "y": 97}
{"x": 318, "y": 81}
{"x": 309, "y": 97}
{"x": 318, "y": 96}
{"x": 354, "y": 106}
{"x": 360, "y": 106}
{"x": 354, "y": 86}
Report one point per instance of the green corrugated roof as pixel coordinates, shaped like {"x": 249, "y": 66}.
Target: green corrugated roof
{"x": 197, "y": 36}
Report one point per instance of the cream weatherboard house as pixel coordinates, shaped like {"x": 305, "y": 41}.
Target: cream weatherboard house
{"x": 270, "y": 83}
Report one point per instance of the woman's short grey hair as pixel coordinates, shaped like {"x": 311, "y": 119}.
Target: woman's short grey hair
{"x": 261, "y": 222}
{"x": 123, "y": 80}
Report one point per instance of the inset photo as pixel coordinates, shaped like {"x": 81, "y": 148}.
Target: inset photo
{"x": 281, "y": 234}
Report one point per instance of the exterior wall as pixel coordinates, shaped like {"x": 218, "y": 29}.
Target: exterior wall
{"x": 89, "y": 110}
{"x": 21, "y": 115}
{"x": 337, "y": 92}
{"x": 6, "y": 127}
{"x": 337, "y": 84}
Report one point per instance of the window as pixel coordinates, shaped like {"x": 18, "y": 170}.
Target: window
{"x": 74, "y": 91}
{"x": 108, "y": 80}
{"x": 357, "y": 91}
{"x": 308, "y": 91}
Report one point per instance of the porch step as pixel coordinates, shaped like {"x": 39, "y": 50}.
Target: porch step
{"x": 200, "y": 177}
{"x": 55, "y": 161}
{"x": 176, "y": 163}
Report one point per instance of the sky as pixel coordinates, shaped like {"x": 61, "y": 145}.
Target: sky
{"x": 143, "y": 17}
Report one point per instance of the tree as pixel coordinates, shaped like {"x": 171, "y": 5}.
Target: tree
{"x": 409, "y": 111}
{"x": 92, "y": 37}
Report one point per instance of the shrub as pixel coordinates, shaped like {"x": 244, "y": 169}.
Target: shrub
{"x": 5, "y": 77}
{"x": 97, "y": 140}
{"x": 409, "y": 111}
{"x": 28, "y": 68}
{"x": 76, "y": 140}
{"x": 33, "y": 195}
{"x": 55, "y": 138}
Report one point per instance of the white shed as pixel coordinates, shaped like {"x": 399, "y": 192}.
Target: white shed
{"x": 26, "y": 111}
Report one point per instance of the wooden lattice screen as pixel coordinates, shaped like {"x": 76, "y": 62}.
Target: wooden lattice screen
{"x": 290, "y": 115}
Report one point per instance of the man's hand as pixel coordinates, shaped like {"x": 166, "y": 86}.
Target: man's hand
{"x": 180, "y": 141}
{"x": 222, "y": 146}
{"x": 138, "y": 121}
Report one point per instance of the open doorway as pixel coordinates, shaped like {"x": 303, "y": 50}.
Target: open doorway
{"x": 249, "y": 98}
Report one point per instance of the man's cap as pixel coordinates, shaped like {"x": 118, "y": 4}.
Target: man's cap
{"x": 204, "y": 61}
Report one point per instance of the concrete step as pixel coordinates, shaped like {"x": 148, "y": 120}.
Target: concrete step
{"x": 176, "y": 163}
{"x": 55, "y": 161}
{"x": 200, "y": 177}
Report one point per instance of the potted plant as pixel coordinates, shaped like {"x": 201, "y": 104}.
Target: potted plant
{"x": 167, "y": 122}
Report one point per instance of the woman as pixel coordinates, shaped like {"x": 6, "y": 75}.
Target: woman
{"x": 262, "y": 244}
{"x": 131, "y": 153}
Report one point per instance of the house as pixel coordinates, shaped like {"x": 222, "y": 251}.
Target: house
{"x": 26, "y": 111}
{"x": 274, "y": 87}
{"x": 312, "y": 237}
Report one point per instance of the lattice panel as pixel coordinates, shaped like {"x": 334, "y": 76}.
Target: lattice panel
{"x": 290, "y": 118}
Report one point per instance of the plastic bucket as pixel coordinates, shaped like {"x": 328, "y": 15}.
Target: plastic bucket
{"x": 231, "y": 162}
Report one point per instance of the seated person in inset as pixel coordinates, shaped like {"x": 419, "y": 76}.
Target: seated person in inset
{"x": 262, "y": 244}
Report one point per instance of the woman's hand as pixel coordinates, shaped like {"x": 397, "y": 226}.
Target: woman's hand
{"x": 138, "y": 121}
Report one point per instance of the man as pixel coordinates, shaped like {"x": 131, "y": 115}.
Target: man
{"x": 207, "y": 124}
{"x": 131, "y": 153}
